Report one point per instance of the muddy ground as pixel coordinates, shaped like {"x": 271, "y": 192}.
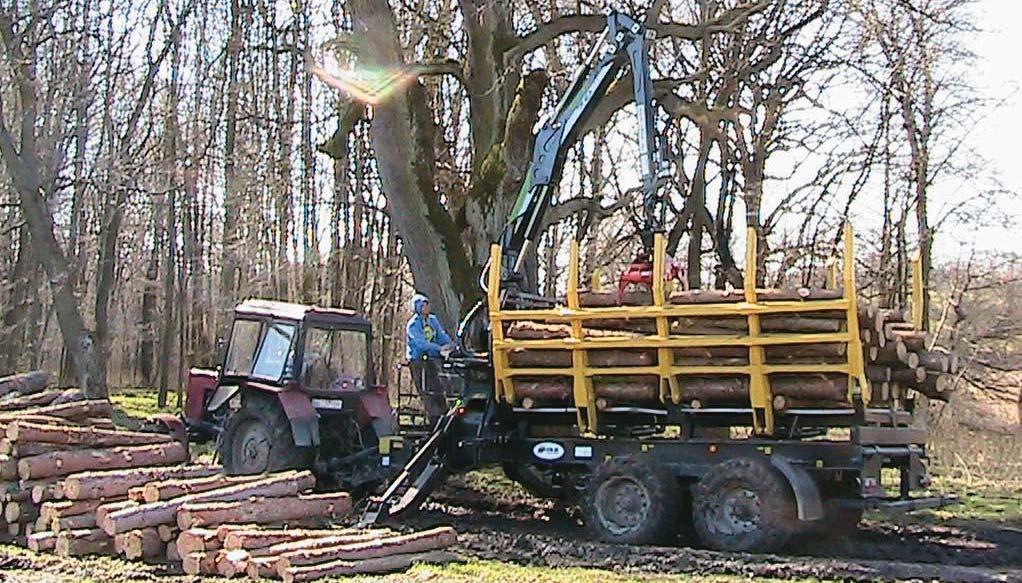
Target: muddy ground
{"x": 535, "y": 532}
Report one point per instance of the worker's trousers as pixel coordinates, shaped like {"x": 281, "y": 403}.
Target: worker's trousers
{"x": 426, "y": 375}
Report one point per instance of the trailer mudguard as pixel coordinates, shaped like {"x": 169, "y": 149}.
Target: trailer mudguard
{"x": 302, "y": 416}
{"x": 807, "y": 495}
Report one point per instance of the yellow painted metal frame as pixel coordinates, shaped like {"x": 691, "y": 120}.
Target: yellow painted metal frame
{"x": 917, "y": 291}
{"x": 671, "y": 387}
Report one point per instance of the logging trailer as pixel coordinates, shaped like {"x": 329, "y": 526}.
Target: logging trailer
{"x": 630, "y": 425}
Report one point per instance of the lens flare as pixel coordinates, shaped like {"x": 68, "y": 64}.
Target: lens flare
{"x": 368, "y": 85}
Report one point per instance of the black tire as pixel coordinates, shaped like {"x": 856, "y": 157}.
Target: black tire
{"x": 632, "y": 501}
{"x": 257, "y": 438}
{"x": 743, "y": 504}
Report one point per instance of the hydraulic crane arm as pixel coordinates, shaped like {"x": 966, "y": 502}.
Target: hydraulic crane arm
{"x": 623, "y": 43}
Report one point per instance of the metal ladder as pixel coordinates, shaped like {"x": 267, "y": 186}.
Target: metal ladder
{"x": 423, "y": 472}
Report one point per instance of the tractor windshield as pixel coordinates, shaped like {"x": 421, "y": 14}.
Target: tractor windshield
{"x": 259, "y": 350}
{"x": 335, "y": 359}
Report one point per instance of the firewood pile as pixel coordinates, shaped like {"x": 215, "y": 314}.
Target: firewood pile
{"x": 897, "y": 355}
{"x": 74, "y": 484}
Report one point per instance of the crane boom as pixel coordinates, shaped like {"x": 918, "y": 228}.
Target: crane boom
{"x": 623, "y": 43}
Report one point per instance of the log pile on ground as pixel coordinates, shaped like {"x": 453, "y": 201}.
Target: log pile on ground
{"x": 269, "y": 525}
{"x": 897, "y": 355}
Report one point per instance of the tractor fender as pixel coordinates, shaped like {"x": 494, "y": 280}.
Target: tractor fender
{"x": 300, "y": 413}
{"x": 807, "y": 494}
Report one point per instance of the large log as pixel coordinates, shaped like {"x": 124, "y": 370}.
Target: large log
{"x": 41, "y": 541}
{"x": 427, "y": 540}
{"x": 261, "y": 542}
{"x": 364, "y": 567}
{"x": 26, "y": 383}
{"x": 527, "y": 330}
{"x": 144, "y": 543}
{"x": 70, "y": 462}
{"x": 264, "y": 510}
{"x": 200, "y": 563}
{"x": 527, "y": 358}
{"x": 164, "y": 512}
{"x": 23, "y": 432}
{"x": 772, "y": 323}
{"x": 910, "y": 376}
{"x": 75, "y": 522}
{"x": 68, "y": 396}
{"x": 62, "y": 508}
{"x": 74, "y": 410}
{"x": 934, "y": 361}
{"x": 113, "y": 483}
{"x": 913, "y": 339}
{"x": 17, "y": 402}
{"x": 167, "y": 489}
{"x": 195, "y": 540}
{"x": 75, "y": 543}
{"x": 19, "y": 450}
{"x": 104, "y": 509}
{"x": 877, "y": 373}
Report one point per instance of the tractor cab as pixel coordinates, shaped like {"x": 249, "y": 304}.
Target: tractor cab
{"x": 295, "y": 389}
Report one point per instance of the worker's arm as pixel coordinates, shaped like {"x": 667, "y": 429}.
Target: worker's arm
{"x": 418, "y": 345}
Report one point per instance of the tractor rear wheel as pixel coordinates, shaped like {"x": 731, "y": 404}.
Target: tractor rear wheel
{"x": 743, "y": 504}
{"x": 258, "y": 439}
{"x": 632, "y": 501}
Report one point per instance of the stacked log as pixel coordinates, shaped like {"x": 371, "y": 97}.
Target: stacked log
{"x": 896, "y": 354}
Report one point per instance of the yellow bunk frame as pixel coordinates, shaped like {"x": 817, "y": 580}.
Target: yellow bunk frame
{"x": 671, "y": 389}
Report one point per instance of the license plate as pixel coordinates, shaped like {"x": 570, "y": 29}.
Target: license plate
{"x": 333, "y": 405}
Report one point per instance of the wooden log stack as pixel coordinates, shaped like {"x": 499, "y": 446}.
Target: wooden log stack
{"x": 897, "y": 355}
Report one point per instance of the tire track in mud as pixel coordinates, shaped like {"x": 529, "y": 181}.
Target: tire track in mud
{"x": 536, "y": 532}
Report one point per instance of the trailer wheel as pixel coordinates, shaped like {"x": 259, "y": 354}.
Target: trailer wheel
{"x": 257, "y": 438}
{"x": 743, "y": 504}
{"x": 631, "y": 501}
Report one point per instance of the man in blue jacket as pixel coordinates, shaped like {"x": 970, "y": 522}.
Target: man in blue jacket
{"x": 427, "y": 340}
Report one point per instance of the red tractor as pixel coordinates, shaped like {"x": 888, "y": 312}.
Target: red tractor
{"x": 295, "y": 390}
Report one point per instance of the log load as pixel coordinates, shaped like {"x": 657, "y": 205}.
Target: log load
{"x": 23, "y": 432}
{"x": 26, "y": 383}
{"x": 76, "y": 543}
{"x": 164, "y": 512}
{"x": 701, "y": 389}
{"x": 264, "y": 510}
{"x": 70, "y": 462}
{"x": 115, "y": 483}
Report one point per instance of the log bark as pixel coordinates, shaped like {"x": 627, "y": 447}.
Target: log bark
{"x": 909, "y": 376}
{"x": 76, "y": 543}
{"x": 167, "y": 489}
{"x": 114, "y": 483}
{"x": 427, "y": 540}
{"x": 75, "y": 522}
{"x": 934, "y": 361}
{"x": 197, "y": 539}
{"x": 20, "y": 450}
{"x": 24, "y": 432}
{"x": 877, "y": 373}
{"x": 8, "y": 468}
{"x": 26, "y": 383}
{"x": 363, "y": 567}
{"x": 264, "y": 510}
{"x": 70, "y": 462}
{"x": 41, "y": 542}
{"x": 164, "y": 512}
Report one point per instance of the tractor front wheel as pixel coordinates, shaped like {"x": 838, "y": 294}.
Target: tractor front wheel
{"x": 258, "y": 439}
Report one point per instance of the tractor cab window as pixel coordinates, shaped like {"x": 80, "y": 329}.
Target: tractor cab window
{"x": 275, "y": 351}
{"x": 241, "y": 350}
{"x": 335, "y": 359}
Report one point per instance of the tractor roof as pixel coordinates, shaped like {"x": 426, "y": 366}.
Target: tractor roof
{"x": 290, "y": 311}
